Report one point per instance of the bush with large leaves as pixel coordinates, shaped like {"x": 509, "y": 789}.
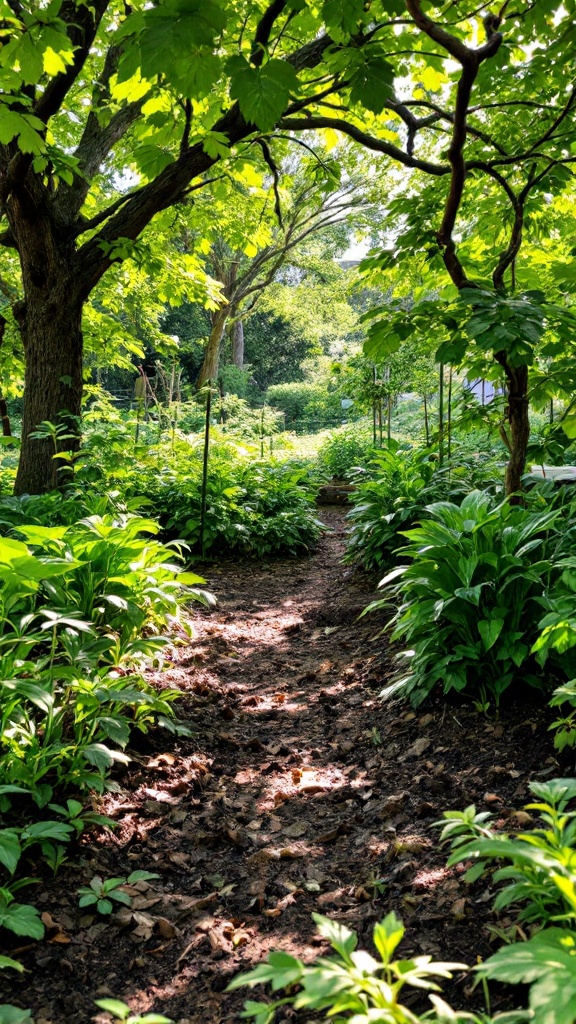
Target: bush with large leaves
{"x": 470, "y": 598}
{"x": 394, "y": 490}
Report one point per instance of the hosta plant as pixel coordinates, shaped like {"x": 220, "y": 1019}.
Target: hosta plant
{"x": 392, "y": 494}
{"x": 468, "y": 598}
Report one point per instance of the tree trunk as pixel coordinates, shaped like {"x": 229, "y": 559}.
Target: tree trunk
{"x": 6, "y": 429}
{"x": 237, "y": 339}
{"x": 517, "y": 414}
{"x": 209, "y": 369}
{"x": 50, "y": 325}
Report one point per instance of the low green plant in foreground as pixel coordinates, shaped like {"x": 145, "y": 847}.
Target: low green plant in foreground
{"x": 76, "y": 603}
{"x": 538, "y": 869}
{"x": 84, "y": 606}
{"x": 353, "y": 985}
{"x": 101, "y": 892}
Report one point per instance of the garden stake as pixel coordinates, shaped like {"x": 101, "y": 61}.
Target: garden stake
{"x": 205, "y": 466}
{"x": 441, "y": 417}
{"x": 449, "y": 421}
{"x": 374, "y": 405}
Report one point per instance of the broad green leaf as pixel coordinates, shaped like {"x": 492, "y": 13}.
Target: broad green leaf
{"x": 10, "y": 849}
{"x": 262, "y": 92}
{"x": 490, "y": 630}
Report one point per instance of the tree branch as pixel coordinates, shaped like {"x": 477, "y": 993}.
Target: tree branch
{"x": 470, "y": 61}
{"x": 369, "y": 141}
{"x": 83, "y": 21}
{"x": 264, "y": 29}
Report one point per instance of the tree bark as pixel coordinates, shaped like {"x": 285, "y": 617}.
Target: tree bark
{"x": 6, "y": 429}
{"x": 517, "y": 414}
{"x": 237, "y": 338}
{"x": 52, "y": 338}
{"x": 50, "y": 323}
{"x": 209, "y": 369}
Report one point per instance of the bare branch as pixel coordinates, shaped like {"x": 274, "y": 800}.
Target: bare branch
{"x": 369, "y": 141}
{"x": 269, "y": 161}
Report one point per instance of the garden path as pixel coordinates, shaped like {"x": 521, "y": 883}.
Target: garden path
{"x": 297, "y": 792}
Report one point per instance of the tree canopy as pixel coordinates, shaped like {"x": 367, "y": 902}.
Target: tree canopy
{"x": 112, "y": 116}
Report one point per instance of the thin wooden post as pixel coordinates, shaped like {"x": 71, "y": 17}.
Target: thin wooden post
{"x": 374, "y": 405}
{"x": 449, "y": 421}
{"x": 205, "y": 465}
{"x": 441, "y": 416}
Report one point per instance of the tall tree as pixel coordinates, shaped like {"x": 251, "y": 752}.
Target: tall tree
{"x": 162, "y": 93}
{"x": 109, "y": 115}
{"x": 310, "y": 209}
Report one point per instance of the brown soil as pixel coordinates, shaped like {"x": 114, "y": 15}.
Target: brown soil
{"x": 299, "y": 791}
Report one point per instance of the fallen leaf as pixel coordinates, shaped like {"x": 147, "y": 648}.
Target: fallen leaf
{"x": 164, "y": 928}
{"x": 458, "y": 909}
{"x": 297, "y": 829}
{"x": 418, "y": 747}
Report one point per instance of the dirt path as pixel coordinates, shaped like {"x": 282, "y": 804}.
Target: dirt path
{"x": 297, "y": 792}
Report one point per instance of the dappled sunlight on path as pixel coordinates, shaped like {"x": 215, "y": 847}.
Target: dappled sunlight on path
{"x": 297, "y": 791}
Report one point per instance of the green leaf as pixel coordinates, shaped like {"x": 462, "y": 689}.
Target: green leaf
{"x": 10, "y": 849}
{"x": 343, "y": 17}
{"x": 387, "y": 935}
{"x": 117, "y": 1008}
{"x": 340, "y": 938}
{"x": 372, "y": 82}
{"x": 490, "y": 630}
{"x": 547, "y": 962}
{"x": 262, "y": 93}
{"x": 21, "y": 919}
{"x": 14, "y": 1015}
{"x": 7, "y": 963}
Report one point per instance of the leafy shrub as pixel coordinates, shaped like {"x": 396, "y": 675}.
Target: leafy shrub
{"x": 392, "y": 496}
{"x": 344, "y": 450}
{"x": 73, "y": 603}
{"x": 539, "y": 873}
{"x": 254, "y": 506}
{"x": 304, "y": 400}
{"x": 352, "y": 984}
{"x": 469, "y": 598}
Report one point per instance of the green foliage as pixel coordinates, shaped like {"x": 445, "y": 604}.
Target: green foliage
{"x": 469, "y": 596}
{"x": 254, "y": 506}
{"x": 74, "y": 601}
{"x": 352, "y": 984}
{"x": 393, "y": 494}
{"x": 101, "y": 892}
{"x": 539, "y": 873}
{"x": 305, "y": 401}
{"x": 14, "y": 1015}
{"x": 344, "y": 450}
{"x": 121, "y": 1011}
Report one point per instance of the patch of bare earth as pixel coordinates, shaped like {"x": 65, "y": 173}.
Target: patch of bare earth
{"x": 299, "y": 791}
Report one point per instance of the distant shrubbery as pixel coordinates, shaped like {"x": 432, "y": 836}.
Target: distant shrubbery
{"x": 303, "y": 401}
{"x": 345, "y": 450}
